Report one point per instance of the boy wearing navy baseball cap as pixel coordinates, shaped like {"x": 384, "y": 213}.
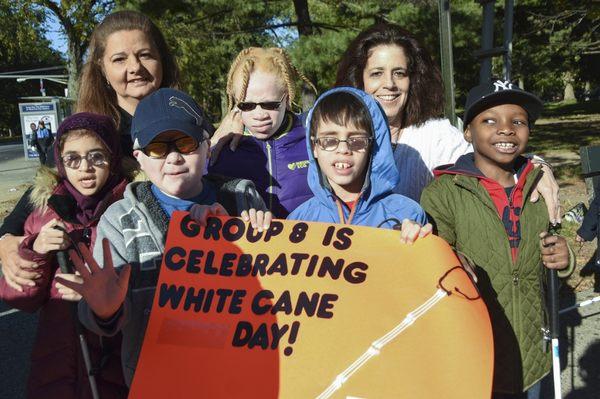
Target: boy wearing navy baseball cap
{"x": 170, "y": 135}
{"x": 480, "y": 207}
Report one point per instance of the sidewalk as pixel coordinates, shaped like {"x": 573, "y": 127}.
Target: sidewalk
{"x": 580, "y": 348}
{"x": 16, "y": 174}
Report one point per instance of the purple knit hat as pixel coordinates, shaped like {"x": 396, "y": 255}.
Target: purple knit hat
{"x": 102, "y": 125}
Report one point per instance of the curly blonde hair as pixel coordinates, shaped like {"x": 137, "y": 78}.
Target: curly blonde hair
{"x": 271, "y": 60}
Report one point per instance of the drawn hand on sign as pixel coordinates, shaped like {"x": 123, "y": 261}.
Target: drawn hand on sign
{"x": 411, "y": 230}
{"x": 102, "y": 288}
{"x": 200, "y": 212}
{"x": 260, "y": 220}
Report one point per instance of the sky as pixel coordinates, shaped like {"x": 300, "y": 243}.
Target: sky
{"x": 57, "y": 40}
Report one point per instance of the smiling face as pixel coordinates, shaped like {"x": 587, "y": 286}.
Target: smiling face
{"x": 385, "y": 77}
{"x": 345, "y": 169}
{"x": 177, "y": 175}
{"x": 264, "y": 87}
{"x": 499, "y": 135}
{"x": 88, "y": 179}
{"x": 132, "y": 66}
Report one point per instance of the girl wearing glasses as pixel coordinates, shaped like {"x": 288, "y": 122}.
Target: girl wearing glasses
{"x": 261, "y": 86}
{"x": 67, "y": 207}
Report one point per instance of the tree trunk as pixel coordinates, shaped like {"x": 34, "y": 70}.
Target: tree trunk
{"x": 305, "y": 28}
{"x": 74, "y": 68}
{"x": 569, "y": 92}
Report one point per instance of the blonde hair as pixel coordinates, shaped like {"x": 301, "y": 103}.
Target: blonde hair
{"x": 271, "y": 60}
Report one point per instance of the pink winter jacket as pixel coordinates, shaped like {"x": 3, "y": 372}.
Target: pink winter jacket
{"x": 57, "y": 367}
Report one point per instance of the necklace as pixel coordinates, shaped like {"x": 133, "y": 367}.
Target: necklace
{"x": 395, "y": 138}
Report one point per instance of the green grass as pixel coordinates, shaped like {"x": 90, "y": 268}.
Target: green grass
{"x": 558, "y": 109}
{"x": 565, "y": 135}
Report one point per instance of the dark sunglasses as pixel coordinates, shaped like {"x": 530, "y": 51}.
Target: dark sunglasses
{"x": 245, "y": 106}
{"x": 160, "y": 149}
{"x": 96, "y": 158}
{"x": 355, "y": 143}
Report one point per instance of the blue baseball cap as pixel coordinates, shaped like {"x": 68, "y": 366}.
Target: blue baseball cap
{"x": 499, "y": 92}
{"x": 168, "y": 109}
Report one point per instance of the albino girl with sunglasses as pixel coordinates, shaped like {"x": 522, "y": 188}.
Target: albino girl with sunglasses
{"x": 261, "y": 87}
{"x": 67, "y": 207}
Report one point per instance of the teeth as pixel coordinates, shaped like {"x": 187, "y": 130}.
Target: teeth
{"x": 505, "y": 145}
{"x": 341, "y": 165}
{"x": 388, "y": 97}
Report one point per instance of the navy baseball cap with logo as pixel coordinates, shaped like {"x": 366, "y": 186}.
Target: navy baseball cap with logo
{"x": 168, "y": 109}
{"x": 499, "y": 92}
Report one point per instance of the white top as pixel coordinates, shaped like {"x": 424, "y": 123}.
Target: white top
{"x": 422, "y": 149}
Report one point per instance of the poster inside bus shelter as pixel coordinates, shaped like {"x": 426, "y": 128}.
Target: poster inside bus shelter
{"x": 311, "y": 310}
{"x": 33, "y": 117}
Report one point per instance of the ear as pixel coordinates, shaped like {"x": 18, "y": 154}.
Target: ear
{"x": 314, "y": 149}
{"x": 467, "y": 134}
{"x": 137, "y": 154}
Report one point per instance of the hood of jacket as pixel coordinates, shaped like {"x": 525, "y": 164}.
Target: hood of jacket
{"x": 382, "y": 174}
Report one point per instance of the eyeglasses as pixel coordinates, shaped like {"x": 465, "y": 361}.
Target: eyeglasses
{"x": 96, "y": 158}
{"x": 160, "y": 149}
{"x": 245, "y": 106}
{"x": 355, "y": 143}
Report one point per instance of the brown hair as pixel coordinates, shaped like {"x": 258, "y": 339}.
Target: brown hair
{"x": 274, "y": 60}
{"x": 342, "y": 109}
{"x": 95, "y": 95}
{"x": 426, "y": 92}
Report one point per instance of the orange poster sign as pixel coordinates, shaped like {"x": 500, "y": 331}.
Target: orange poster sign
{"x": 311, "y": 310}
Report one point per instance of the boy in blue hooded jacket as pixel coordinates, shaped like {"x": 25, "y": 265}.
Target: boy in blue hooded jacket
{"x": 352, "y": 172}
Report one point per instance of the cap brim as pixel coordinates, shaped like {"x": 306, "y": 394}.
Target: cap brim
{"x": 165, "y": 125}
{"x": 532, "y": 104}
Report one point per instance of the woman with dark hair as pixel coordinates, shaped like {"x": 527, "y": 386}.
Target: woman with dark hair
{"x": 389, "y": 63}
{"x": 128, "y": 59}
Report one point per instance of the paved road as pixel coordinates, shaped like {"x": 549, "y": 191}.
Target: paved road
{"x": 580, "y": 335}
{"x": 17, "y": 329}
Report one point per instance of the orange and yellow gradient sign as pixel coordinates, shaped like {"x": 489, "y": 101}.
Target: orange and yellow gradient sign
{"x": 307, "y": 310}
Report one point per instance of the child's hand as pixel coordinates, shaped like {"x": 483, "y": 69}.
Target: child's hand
{"x": 555, "y": 254}
{"x": 51, "y": 239}
{"x": 102, "y": 288}
{"x": 411, "y": 230}
{"x": 201, "y": 212}
{"x": 260, "y": 220}
{"x": 66, "y": 293}
{"x": 578, "y": 238}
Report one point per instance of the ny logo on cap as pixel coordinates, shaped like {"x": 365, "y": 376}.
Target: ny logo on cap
{"x": 502, "y": 85}
{"x": 179, "y": 103}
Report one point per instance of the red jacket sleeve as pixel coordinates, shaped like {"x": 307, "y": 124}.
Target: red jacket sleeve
{"x": 31, "y": 298}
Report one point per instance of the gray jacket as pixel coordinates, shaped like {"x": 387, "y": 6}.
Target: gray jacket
{"x": 136, "y": 228}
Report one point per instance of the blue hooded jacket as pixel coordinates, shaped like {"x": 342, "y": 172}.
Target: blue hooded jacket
{"x": 377, "y": 205}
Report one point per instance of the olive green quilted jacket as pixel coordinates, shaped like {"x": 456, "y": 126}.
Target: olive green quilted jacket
{"x": 465, "y": 216}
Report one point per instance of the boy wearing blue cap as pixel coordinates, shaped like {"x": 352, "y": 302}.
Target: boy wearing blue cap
{"x": 479, "y": 206}
{"x": 170, "y": 137}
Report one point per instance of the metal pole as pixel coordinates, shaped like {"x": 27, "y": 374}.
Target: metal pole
{"x": 447, "y": 59}
{"x": 508, "y": 32}
{"x": 554, "y": 330}
{"x": 487, "y": 40}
